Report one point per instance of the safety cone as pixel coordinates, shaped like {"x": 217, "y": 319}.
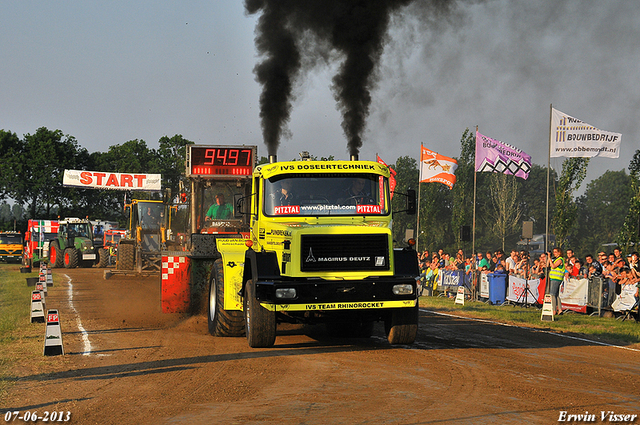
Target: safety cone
{"x": 547, "y": 309}
{"x": 53, "y": 335}
{"x": 37, "y": 307}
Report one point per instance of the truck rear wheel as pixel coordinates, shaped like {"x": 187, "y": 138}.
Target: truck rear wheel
{"x": 401, "y": 325}
{"x": 70, "y": 258}
{"x": 103, "y": 256}
{"x": 222, "y": 322}
{"x": 56, "y": 256}
{"x": 260, "y": 323}
{"x": 126, "y": 256}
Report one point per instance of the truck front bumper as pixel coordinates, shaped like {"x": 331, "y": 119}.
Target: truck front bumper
{"x": 319, "y": 295}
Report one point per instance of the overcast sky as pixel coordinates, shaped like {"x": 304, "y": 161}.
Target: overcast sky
{"x": 109, "y": 72}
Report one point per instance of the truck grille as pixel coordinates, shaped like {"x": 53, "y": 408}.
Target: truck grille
{"x": 344, "y": 253}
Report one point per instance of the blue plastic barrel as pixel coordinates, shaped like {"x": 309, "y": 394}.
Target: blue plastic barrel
{"x": 497, "y": 288}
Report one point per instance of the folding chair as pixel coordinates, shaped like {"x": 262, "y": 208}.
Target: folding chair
{"x": 628, "y": 314}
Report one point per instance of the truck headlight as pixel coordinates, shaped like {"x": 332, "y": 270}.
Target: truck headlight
{"x": 403, "y": 289}
{"x": 286, "y": 293}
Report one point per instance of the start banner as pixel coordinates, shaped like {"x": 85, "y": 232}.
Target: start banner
{"x": 112, "y": 181}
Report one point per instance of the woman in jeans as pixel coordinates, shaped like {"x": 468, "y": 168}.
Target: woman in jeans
{"x": 556, "y": 277}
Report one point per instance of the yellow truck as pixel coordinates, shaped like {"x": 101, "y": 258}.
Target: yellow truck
{"x": 308, "y": 242}
{"x": 11, "y": 247}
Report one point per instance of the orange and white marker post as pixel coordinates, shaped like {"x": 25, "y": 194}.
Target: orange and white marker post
{"x": 547, "y": 309}
{"x": 460, "y": 296}
{"x": 49, "y": 277}
{"x": 53, "y": 335}
{"x": 42, "y": 283}
{"x": 37, "y": 307}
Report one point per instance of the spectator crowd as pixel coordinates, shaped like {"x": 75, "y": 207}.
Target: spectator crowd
{"x": 622, "y": 272}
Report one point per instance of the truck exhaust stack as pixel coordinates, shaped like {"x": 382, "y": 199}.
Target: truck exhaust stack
{"x": 273, "y": 159}
{"x": 354, "y": 157}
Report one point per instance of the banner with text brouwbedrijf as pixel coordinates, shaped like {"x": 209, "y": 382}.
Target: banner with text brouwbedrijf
{"x": 571, "y": 137}
{"x": 112, "y": 181}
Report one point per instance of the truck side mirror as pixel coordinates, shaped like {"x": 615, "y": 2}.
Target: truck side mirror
{"x": 411, "y": 202}
{"x": 239, "y": 203}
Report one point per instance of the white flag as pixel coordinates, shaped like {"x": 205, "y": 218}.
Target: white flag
{"x": 574, "y": 138}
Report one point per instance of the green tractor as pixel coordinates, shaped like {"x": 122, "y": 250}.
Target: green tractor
{"x": 74, "y": 245}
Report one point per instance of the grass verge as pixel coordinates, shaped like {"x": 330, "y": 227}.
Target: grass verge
{"x": 19, "y": 338}
{"x": 599, "y": 328}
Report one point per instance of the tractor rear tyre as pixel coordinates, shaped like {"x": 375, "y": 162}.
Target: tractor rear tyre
{"x": 126, "y": 256}
{"x": 260, "y": 323}
{"x": 56, "y": 255}
{"x": 70, "y": 258}
{"x": 222, "y": 322}
{"x": 103, "y": 257}
{"x": 401, "y": 325}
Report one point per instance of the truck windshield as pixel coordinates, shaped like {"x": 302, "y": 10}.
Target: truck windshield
{"x": 10, "y": 239}
{"x": 325, "y": 194}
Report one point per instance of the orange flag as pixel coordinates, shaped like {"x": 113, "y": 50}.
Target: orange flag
{"x": 437, "y": 168}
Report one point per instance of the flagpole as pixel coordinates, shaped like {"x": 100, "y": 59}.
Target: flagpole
{"x": 418, "y": 214}
{"x": 473, "y": 238}
{"x": 546, "y": 236}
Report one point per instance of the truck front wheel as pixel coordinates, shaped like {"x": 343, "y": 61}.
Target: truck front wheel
{"x": 56, "y": 256}
{"x": 260, "y": 322}
{"x": 222, "y": 322}
{"x": 401, "y": 325}
{"x": 70, "y": 258}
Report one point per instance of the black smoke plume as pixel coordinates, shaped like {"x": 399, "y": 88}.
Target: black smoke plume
{"x": 355, "y": 28}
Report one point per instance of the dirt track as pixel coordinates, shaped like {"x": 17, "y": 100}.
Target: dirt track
{"x": 135, "y": 365}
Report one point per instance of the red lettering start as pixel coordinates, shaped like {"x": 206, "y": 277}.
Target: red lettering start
{"x": 112, "y": 179}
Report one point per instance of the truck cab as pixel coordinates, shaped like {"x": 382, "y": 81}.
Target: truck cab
{"x": 11, "y": 247}
{"x": 322, "y": 251}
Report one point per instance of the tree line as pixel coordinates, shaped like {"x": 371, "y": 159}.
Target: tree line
{"x": 32, "y": 167}
{"x": 608, "y": 211}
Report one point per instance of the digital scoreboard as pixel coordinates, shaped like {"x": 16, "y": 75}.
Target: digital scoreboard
{"x": 221, "y": 161}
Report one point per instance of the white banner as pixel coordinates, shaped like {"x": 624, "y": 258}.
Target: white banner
{"x": 573, "y": 138}
{"x": 626, "y": 299}
{"x": 573, "y": 294}
{"x": 484, "y": 285}
{"x": 112, "y": 181}
{"x": 517, "y": 287}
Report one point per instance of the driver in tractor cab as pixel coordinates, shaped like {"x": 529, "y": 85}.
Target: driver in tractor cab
{"x": 221, "y": 210}
{"x": 149, "y": 219}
